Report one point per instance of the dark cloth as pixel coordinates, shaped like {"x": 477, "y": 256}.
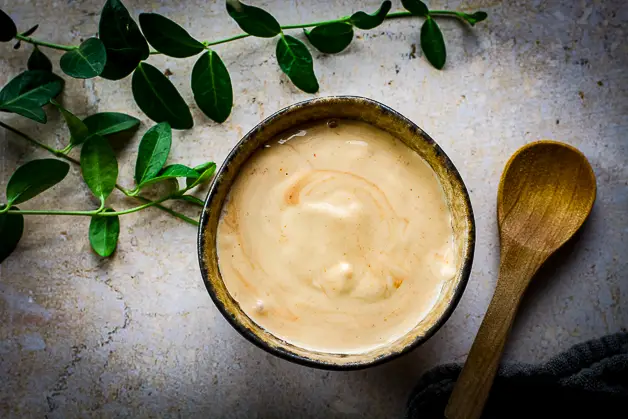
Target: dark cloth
{"x": 590, "y": 380}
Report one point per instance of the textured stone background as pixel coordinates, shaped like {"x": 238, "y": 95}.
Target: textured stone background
{"x": 138, "y": 336}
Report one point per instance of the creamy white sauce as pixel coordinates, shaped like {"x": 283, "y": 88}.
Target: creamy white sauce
{"x": 336, "y": 239}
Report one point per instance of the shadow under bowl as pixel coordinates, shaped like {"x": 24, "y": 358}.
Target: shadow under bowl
{"x": 382, "y": 117}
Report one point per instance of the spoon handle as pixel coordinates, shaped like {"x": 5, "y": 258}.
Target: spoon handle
{"x": 474, "y": 383}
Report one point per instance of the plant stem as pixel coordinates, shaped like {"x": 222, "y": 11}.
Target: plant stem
{"x": 59, "y": 154}
{"x": 449, "y": 13}
{"x": 101, "y": 213}
{"x": 44, "y": 43}
{"x": 98, "y": 212}
{"x": 444, "y": 13}
{"x": 67, "y": 149}
{"x": 55, "y": 212}
{"x": 192, "y": 200}
{"x": 139, "y": 208}
{"x": 232, "y": 38}
{"x": 33, "y": 141}
{"x": 324, "y": 22}
{"x": 170, "y": 211}
{"x": 393, "y": 15}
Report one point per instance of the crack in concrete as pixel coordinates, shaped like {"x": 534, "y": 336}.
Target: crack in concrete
{"x": 61, "y": 384}
{"x": 126, "y": 313}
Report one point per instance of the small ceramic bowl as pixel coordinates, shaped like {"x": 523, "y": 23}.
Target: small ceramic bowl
{"x": 366, "y": 110}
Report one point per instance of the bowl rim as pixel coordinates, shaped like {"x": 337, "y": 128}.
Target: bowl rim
{"x": 300, "y": 359}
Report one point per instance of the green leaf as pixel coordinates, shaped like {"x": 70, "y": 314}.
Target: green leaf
{"x": 78, "y": 129}
{"x": 192, "y": 199}
{"x": 30, "y": 31}
{"x": 106, "y": 123}
{"x": 296, "y": 61}
{"x": 432, "y": 43}
{"x": 103, "y": 233}
{"x": 416, "y": 7}
{"x": 204, "y": 166}
{"x": 33, "y": 178}
{"x": 253, "y": 20}
{"x": 85, "y": 62}
{"x": 159, "y": 99}
{"x": 7, "y": 27}
{"x": 38, "y": 61}
{"x": 206, "y": 171}
{"x": 124, "y": 43}
{"x": 28, "y": 92}
{"x": 331, "y": 38}
{"x": 167, "y": 37}
{"x": 99, "y": 166}
{"x": 176, "y": 171}
{"x": 11, "y": 229}
{"x": 172, "y": 172}
{"x": 363, "y": 20}
{"x": 153, "y": 152}
{"x": 211, "y": 85}
{"x": 475, "y": 17}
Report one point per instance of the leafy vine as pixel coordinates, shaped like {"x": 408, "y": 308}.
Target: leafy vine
{"x": 121, "y": 49}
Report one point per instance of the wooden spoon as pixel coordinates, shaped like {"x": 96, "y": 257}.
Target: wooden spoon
{"x": 545, "y": 194}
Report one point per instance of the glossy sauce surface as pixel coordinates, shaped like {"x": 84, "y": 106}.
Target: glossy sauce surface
{"x": 336, "y": 237}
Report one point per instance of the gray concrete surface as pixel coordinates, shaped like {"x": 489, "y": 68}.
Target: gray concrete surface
{"x": 138, "y": 336}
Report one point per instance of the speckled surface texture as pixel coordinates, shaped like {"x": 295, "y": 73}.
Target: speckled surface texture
{"x": 138, "y": 336}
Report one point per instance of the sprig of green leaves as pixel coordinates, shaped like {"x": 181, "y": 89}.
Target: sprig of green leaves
{"x": 432, "y": 41}
{"x": 100, "y": 171}
{"x": 122, "y": 49}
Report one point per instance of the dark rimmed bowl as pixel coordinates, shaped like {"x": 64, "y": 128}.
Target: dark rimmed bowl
{"x": 372, "y": 112}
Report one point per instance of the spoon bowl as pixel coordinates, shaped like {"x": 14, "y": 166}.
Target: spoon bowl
{"x": 545, "y": 194}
